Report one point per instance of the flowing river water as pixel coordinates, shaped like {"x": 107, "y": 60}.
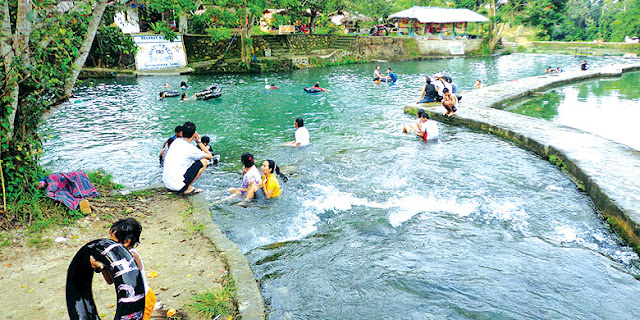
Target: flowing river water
{"x": 373, "y": 223}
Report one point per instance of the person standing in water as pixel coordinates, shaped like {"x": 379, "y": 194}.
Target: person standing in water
{"x": 301, "y": 135}
{"x": 391, "y": 76}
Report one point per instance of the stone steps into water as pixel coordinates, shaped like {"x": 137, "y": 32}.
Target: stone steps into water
{"x": 607, "y": 171}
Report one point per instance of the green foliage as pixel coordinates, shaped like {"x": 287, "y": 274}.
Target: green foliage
{"x": 163, "y": 28}
{"x": 110, "y": 46}
{"x": 218, "y": 34}
{"x": 103, "y": 181}
{"x": 214, "y": 303}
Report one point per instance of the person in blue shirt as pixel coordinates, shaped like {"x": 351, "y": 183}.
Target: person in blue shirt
{"x": 391, "y": 76}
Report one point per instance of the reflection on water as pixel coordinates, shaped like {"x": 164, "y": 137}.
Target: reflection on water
{"x": 606, "y": 107}
{"x": 373, "y": 223}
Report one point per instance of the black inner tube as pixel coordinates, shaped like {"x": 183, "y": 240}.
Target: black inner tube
{"x": 127, "y": 280}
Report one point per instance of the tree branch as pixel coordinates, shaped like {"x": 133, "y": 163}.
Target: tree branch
{"x": 86, "y": 46}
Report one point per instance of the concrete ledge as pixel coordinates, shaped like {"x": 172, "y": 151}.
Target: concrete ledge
{"x": 250, "y": 301}
{"x": 607, "y": 171}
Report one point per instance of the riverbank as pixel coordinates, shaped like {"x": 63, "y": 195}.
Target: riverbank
{"x": 173, "y": 246}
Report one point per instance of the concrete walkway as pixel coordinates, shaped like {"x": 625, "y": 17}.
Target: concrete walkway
{"x": 607, "y": 171}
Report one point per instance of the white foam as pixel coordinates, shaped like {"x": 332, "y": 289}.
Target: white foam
{"x": 553, "y": 188}
{"x": 566, "y": 234}
{"x": 408, "y": 207}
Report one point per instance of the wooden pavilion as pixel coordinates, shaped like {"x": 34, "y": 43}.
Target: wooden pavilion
{"x": 429, "y": 21}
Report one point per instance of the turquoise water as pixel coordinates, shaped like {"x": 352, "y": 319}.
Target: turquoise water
{"x": 606, "y": 107}
{"x": 373, "y": 223}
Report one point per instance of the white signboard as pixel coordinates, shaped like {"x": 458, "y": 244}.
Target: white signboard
{"x": 456, "y": 48}
{"x": 154, "y": 52}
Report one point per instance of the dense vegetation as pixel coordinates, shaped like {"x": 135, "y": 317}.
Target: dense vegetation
{"x": 43, "y": 45}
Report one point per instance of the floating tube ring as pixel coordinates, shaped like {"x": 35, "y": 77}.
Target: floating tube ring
{"x": 311, "y": 90}
{"x": 127, "y": 280}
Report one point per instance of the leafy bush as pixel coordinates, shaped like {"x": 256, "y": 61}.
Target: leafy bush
{"x": 110, "y": 47}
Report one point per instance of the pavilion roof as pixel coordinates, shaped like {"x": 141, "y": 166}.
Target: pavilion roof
{"x": 439, "y": 15}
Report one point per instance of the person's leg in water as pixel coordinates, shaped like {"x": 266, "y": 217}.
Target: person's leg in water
{"x": 189, "y": 187}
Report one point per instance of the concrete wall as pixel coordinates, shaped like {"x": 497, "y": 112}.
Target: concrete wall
{"x": 441, "y": 47}
{"x": 387, "y": 48}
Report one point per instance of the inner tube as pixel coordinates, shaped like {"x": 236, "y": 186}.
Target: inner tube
{"x": 214, "y": 88}
{"x": 211, "y": 95}
{"x": 311, "y": 90}
{"x": 169, "y": 93}
{"x": 127, "y": 280}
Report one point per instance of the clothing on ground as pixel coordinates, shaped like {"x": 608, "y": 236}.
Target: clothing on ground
{"x": 70, "y": 188}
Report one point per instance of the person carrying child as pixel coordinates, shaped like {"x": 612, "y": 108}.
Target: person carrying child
{"x": 127, "y": 232}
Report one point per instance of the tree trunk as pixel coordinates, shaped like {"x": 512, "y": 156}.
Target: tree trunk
{"x": 85, "y": 47}
{"x": 246, "y": 41}
{"x": 312, "y": 21}
{"x": 495, "y": 37}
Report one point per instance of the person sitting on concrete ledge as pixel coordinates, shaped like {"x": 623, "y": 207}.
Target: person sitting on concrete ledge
{"x": 428, "y": 92}
{"x": 449, "y": 102}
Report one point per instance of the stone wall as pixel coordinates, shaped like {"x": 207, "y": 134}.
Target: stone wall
{"x": 388, "y": 48}
{"x": 200, "y": 47}
{"x": 441, "y": 47}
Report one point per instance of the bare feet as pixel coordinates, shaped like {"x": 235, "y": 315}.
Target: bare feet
{"x": 191, "y": 191}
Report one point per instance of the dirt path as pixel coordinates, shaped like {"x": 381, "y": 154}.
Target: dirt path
{"x": 32, "y": 279}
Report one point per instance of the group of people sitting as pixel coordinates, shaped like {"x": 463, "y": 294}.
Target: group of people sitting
{"x": 379, "y": 77}
{"x": 186, "y": 155}
{"x": 441, "y": 90}
{"x": 552, "y": 70}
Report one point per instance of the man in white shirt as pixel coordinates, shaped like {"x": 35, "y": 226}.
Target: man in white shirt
{"x": 184, "y": 162}
{"x": 427, "y": 128}
{"x": 301, "y": 135}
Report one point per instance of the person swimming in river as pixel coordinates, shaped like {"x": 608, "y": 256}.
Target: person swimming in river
{"x": 317, "y": 87}
{"x": 183, "y": 85}
{"x": 269, "y": 86}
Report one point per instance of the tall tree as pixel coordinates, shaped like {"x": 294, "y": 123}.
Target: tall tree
{"x": 44, "y": 45}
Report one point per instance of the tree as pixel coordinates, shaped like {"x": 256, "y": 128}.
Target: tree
{"x": 44, "y": 46}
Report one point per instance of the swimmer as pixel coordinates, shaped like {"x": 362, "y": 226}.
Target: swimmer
{"x": 317, "y": 87}
{"x": 166, "y": 85}
{"x": 183, "y": 85}
{"x": 184, "y": 97}
{"x": 478, "y": 84}
{"x": 550, "y": 70}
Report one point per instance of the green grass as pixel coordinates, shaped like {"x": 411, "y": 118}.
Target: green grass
{"x": 37, "y": 212}
{"x": 219, "y": 302}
